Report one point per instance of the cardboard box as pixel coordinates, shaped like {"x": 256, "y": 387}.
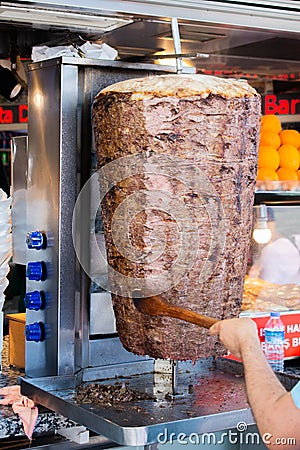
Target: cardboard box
{"x": 16, "y": 323}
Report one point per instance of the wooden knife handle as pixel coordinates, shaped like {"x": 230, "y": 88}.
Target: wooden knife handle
{"x": 191, "y": 316}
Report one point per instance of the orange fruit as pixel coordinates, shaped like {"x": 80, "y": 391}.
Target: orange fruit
{"x": 298, "y": 174}
{"x": 270, "y": 122}
{"x": 270, "y": 138}
{"x": 289, "y": 157}
{"x": 287, "y": 174}
{"x": 268, "y": 157}
{"x": 291, "y": 137}
{"x": 267, "y": 174}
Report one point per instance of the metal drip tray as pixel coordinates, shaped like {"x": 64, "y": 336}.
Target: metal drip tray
{"x": 211, "y": 398}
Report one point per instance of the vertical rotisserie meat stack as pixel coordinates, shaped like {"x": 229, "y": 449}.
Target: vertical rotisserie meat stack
{"x": 177, "y": 157}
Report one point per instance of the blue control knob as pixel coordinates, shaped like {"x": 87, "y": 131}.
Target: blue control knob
{"x": 36, "y": 271}
{"x": 35, "y": 332}
{"x": 36, "y": 239}
{"x": 34, "y": 300}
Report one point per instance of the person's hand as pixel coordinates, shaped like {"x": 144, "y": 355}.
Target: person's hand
{"x": 236, "y": 334}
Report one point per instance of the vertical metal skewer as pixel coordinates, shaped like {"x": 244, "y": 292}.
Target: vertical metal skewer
{"x": 177, "y": 44}
{"x": 174, "y": 377}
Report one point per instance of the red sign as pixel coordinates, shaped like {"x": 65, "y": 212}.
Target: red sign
{"x": 281, "y": 104}
{"x": 291, "y": 322}
{"x": 13, "y": 114}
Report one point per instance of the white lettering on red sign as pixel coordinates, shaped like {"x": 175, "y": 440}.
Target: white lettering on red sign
{"x": 295, "y": 341}
{"x": 293, "y": 328}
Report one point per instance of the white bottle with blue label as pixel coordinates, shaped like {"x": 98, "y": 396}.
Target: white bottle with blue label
{"x": 274, "y": 342}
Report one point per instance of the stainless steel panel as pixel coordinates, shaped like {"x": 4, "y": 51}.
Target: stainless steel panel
{"x": 248, "y": 39}
{"x": 68, "y": 128}
{"x": 43, "y": 201}
{"x": 111, "y": 66}
{"x": 61, "y": 93}
{"x": 102, "y": 318}
{"x": 213, "y": 398}
{"x": 51, "y": 164}
{"x": 282, "y": 15}
{"x": 75, "y": 19}
{"x": 109, "y": 351}
{"x": 137, "y": 365}
{"x": 92, "y": 77}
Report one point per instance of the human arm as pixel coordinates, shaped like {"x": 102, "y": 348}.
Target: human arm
{"x": 273, "y": 408}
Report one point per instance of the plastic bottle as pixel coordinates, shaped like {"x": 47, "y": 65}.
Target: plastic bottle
{"x": 274, "y": 341}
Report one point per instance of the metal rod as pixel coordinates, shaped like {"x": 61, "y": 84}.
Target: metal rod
{"x": 151, "y": 447}
{"x": 174, "y": 377}
{"x": 177, "y": 44}
{"x": 178, "y": 55}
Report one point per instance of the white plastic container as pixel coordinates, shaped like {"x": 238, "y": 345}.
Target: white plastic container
{"x": 5, "y": 255}
{"x": 1, "y": 339}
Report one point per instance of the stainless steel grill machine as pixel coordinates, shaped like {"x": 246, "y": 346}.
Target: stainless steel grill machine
{"x": 71, "y": 335}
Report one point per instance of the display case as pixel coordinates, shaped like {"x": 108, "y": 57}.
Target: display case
{"x": 273, "y": 276}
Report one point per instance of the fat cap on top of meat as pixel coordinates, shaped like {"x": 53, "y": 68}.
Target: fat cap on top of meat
{"x": 183, "y": 85}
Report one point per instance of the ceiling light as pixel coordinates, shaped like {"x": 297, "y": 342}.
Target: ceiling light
{"x": 10, "y": 88}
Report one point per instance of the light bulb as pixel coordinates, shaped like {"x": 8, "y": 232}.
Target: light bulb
{"x": 262, "y": 235}
{"x": 15, "y": 91}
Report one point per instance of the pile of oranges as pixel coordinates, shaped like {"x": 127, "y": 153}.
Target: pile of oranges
{"x": 279, "y": 152}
